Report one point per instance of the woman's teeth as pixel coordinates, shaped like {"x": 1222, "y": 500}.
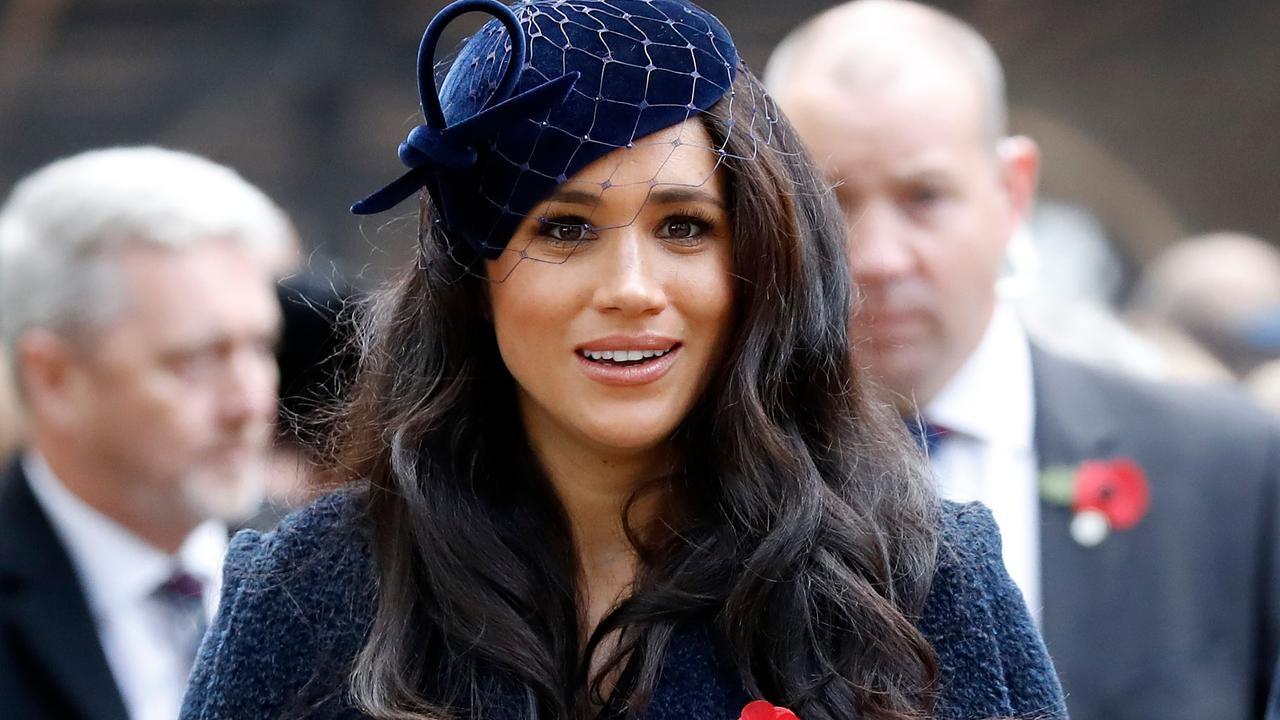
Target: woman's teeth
{"x": 620, "y": 356}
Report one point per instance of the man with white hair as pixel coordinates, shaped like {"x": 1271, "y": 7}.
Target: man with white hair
{"x": 140, "y": 316}
{"x": 1140, "y": 520}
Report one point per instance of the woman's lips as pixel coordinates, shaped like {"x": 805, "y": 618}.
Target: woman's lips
{"x": 642, "y": 372}
{"x": 649, "y": 342}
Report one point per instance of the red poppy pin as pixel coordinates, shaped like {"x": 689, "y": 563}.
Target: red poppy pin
{"x": 761, "y": 710}
{"x": 1105, "y": 496}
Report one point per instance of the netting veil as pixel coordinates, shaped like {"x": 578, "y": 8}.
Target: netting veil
{"x": 545, "y": 89}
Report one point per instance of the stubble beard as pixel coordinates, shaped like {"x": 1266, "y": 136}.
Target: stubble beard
{"x": 229, "y": 495}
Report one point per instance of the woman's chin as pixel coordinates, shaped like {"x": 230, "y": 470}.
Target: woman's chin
{"x": 630, "y": 436}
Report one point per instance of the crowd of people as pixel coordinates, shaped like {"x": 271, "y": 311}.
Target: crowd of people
{"x": 701, "y": 391}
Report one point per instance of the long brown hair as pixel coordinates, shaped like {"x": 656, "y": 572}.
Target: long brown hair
{"x": 801, "y": 507}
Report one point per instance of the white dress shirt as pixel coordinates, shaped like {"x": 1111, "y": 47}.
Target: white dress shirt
{"x": 989, "y": 454}
{"x": 120, "y": 574}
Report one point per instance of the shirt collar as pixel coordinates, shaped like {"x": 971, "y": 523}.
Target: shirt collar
{"x": 117, "y": 568}
{"x": 991, "y": 396}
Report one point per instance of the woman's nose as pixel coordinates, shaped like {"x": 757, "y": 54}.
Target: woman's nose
{"x": 629, "y": 281}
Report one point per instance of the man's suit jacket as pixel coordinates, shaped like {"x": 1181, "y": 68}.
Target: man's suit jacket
{"x": 51, "y": 662}
{"x": 1273, "y": 707}
{"x": 1176, "y": 618}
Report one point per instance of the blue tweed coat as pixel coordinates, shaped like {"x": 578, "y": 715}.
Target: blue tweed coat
{"x": 297, "y": 604}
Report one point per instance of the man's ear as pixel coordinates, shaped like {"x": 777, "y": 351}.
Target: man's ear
{"x": 49, "y": 377}
{"x": 1020, "y": 169}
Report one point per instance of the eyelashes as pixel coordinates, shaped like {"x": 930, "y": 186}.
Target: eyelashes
{"x": 684, "y": 228}
{"x": 687, "y": 228}
{"x": 567, "y": 229}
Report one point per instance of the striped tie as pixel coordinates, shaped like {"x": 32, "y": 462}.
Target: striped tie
{"x": 926, "y": 434}
{"x": 183, "y": 599}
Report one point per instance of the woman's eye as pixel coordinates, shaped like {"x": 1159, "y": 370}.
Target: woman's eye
{"x": 566, "y": 229}
{"x": 683, "y": 228}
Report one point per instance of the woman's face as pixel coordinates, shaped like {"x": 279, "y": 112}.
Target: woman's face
{"x": 614, "y": 296}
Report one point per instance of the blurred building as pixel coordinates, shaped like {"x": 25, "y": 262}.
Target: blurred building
{"x": 1156, "y": 115}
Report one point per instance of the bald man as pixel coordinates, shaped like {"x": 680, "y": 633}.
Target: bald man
{"x": 1222, "y": 290}
{"x": 1161, "y": 609}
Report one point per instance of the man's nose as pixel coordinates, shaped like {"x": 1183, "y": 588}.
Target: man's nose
{"x": 880, "y": 243}
{"x": 250, "y": 392}
{"x": 629, "y": 279}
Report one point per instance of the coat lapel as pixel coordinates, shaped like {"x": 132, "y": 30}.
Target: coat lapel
{"x": 1080, "y": 584}
{"x": 46, "y": 606}
{"x": 692, "y": 684}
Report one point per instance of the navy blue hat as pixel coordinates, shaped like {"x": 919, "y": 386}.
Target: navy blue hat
{"x": 541, "y": 92}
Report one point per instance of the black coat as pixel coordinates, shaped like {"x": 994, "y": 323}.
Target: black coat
{"x": 1177, "y": 618}
{"x": 51, "y": 662}
{"x": 297, "y": 605}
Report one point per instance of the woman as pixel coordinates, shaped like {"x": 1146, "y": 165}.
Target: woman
{"x": 616, "y": 458}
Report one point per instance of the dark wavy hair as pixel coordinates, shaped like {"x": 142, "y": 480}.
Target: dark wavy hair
{"x": 801, "y": 527}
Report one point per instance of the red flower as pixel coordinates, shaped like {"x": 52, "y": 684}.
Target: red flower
{"x": 1116, "y": 488}
{"x": 761, "y": 710}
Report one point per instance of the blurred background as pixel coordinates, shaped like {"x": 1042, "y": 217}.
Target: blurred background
{"x": 1156, "y": 116}
{"x": 1156, "y": 119}
{"x": 1153, "y": 248}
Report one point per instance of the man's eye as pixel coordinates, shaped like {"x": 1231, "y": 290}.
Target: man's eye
{"x": 851, "y": 206}
{"x": 924, "y": 196}
{"x": 195, "y": 363}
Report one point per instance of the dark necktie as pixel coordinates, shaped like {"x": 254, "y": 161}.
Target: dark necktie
{"x": 183, "y": 598}
{"x": 926, "y": 434}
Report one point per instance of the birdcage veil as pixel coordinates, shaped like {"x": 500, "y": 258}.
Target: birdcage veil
{"x": 545, "y": 89}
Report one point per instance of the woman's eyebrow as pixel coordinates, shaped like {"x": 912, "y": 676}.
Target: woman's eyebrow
{"x": 666, "y": 195}
{"x": 574, "y": 197}
{"x": 685, "y": 194}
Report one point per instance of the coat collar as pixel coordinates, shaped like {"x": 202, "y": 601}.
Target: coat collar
{"x": 1072, "y": 423}
{"x": 1077, "y": 421}
{"x": 46, "y": 606}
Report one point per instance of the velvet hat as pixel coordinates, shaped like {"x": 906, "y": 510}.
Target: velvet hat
{"x": 540, "y": 92}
